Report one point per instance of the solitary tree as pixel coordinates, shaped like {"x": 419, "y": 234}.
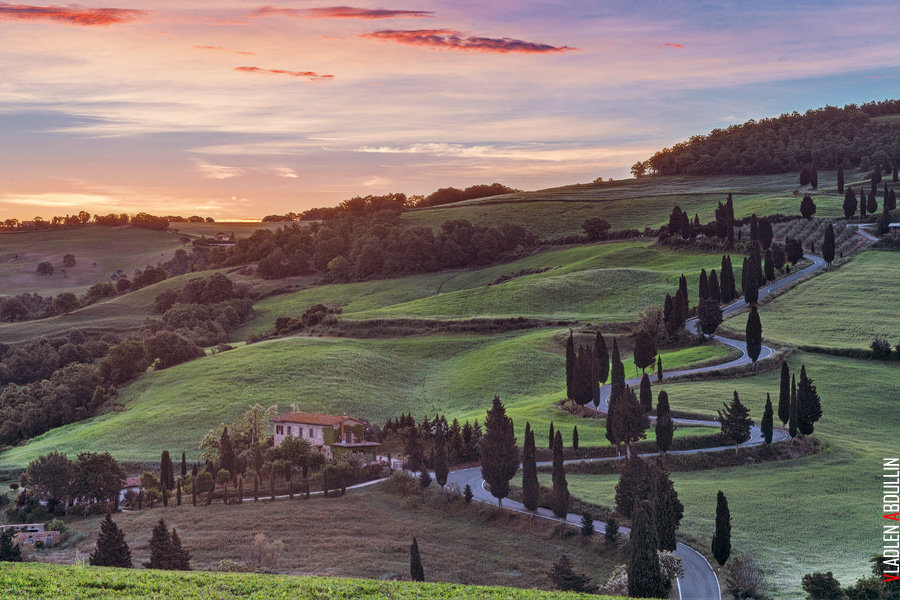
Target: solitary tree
{"x": 754, "y": 334}
{"x": 570, "y": 366}
{"x": 784, "y": 395}
{"x": 667, "y": 509}
{"x": 9, "y": 550}
{"x": 531, "y": 489}
{"x": 644, "y": 350}
{"x": 645, "y": 578}
{"x": 559, "y": 498}
{"x": 721, "y": 542}
{"x": 736, "y": 422}
{"x": 499, "y": 455}
{"x": 828, "y": 245}
{"x": 665, "y": 426}
{"x": 441, "y": 470}
{"x": 840, "y": 180}
{"x": 416, "y": 572}
{"x": 602, "y": 358}
{"x": 767, "y": 424}
{"x": 807, "y": 207}
{"x": 659, "y": 369}
{"x": 630, "y": 422}
{"x": 849, "y": 203}
{"x": 575, "y": 437}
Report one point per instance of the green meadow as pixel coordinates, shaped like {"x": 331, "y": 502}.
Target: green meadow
{"x": 609, "y": 282}
{"x": 818, "y": 513}
{"x": 456, "y": 375}
{"x": 843, "y": 308}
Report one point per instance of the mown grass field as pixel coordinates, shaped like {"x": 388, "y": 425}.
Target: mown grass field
{"x": 843, "y": 308}
{"x": 364, "y": 534}
{"x": 28, "y": 581}
{"x": 819, "y": 513}
{"x": 456, "y": 375}
{"x": 99, "y": 252}
{"x": 636, "y": 203}
{"x": 609, "y": 282}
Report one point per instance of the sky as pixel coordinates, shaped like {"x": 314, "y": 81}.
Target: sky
{"x": 240, "y": 108}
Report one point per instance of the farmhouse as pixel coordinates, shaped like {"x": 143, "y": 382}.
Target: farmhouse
{"x": 31, "y": 534}
{"x": 330, "y": 434}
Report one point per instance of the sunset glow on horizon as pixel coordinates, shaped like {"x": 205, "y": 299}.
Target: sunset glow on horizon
{"x": 239, "y": 109}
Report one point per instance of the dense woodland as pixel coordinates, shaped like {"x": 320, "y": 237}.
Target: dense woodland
{"x": 825, "y": 138}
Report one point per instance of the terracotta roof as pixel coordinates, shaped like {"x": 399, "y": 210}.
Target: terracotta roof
{"x": 313, "y": 419}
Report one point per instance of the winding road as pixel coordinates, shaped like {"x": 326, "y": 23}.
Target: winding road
{"x": 700, "y": 581}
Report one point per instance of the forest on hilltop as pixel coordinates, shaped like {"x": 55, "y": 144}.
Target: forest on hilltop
{"x": 825, "y": 138}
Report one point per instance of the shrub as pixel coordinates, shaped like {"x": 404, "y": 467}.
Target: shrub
{"x": 45, "y": 268}
{"x": 881, "y": 348}
{"x": 822, "y": 586}
{"x": 745, "y": 580}
{"x": 262, "y": 553}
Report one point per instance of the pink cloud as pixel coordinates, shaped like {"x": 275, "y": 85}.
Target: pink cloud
{"x": 221, "y": 49}
{"x": 71, "y": 14}
{"x": 671, "y": 45}
{"x": 311, "y": 75}
{"x": 455, "y": 40}
{"x": 341, "y": 12}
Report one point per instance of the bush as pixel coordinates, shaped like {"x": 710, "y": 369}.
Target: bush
{"x": 745, "y": 580}
{"x": 262, "y": 553}
{"x": 881, "y": 348}
{"x": 822, "y": 586}
{"x": 45, "y": 268}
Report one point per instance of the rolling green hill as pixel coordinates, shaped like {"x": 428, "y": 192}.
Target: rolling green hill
{"x": 609, "y": 282}
{"x": 31, "y": 581}
{"x": 636, "y": 203}
{"x": 456, "y": 375}
{"x": 99, "y": 252}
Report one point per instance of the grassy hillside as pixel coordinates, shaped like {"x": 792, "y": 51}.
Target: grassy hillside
{"x": 116, "y": 315}
{"x": 775, "y": 507}
{"x": 460, "y": 543}
{"x": 636, "y": 203}
{"x": 861, "y": 300}
{"x": 238, "y": 229}
{"x": 30, "y": 581}
{"x": 99, "y": 251}
{"x": 452, "y": 374}
{"x": 612, "y": 282}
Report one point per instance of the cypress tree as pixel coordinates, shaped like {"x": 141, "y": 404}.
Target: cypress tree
{"x": 166, "y": 474}
{"x": 645, "y": 579}
{"x": 612, "y": 407}
{"x": 665, "y": 426}
{"x": 550, "y": 437}
{"x": 828, "y": 245}
{"x": 807, "y": 208}
{"x": 873, "y": 203}
{"x": 840, "y": 180}
{"x": 792, "y": 422}
{"x": 633, "y": 485}
{"x": 570, "y": 366}
{"x": 894, "y": 174}
{"x": 667, "y": 509}
{"x": 160, "y": 547}
{"x": 583, "y": 377}
{"x": 415, "y": 455}
{"x": 587, "y": 525}
{"x": 784, "y": 395}
{"x": 646, "y": 394}
{"x": 183, "y": 466}
{"x": 240, "y": 494}
{"x": 564, "y": 577}
{"x": 750, "y": 280}
{"x": 559, "y": 497}
{"x": 441, "y": 470}
{"x": 724, "y": 282}
{"x": 753, "y": 333}
{"x": 668, "y": 310}
{"x": 256, "y": 486}
{"x": 575, "y": 438}
{"x": 721, "y": 542}
{"x": 767, "y": 424}
{"x": 194, "y": 490}
{"x": 703, "y": 291}
{"x": 180, "y": 558}
{"x": 602, "y": 358}
{"x": 659, "y": 369}
{"x": 531, "y": 490}
{"x": 178, "y": 493}
{"x": 849, "y": 203}
{"x": 9, "y": 550}
{"x": 770, "y": 266}
{"x": 736, "y": 422}
{"x": 714, "y": 292}
{"x": 226, "y": 452}
{"x": 754, "y": 228}
{"x": 631, "y": 422}
{"x": 416, "y": 572}
{"x": 682, "y": 285}
{"x": 644, "y": 351}
{"x": 499, "y": 455}
{"x": 809, "y": 405}
{"x": 617, "y": 369}
{"x": 765, "y": 234}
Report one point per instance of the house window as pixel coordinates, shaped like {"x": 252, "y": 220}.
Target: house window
{"x": 311, "y": 433}
{"x": 279, "y": 429}
{"x": 289, "y": 430}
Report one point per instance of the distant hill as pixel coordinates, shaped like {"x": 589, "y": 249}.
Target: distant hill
{"x": 827, "y": 138}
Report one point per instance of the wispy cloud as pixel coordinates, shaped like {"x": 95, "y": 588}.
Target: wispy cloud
{"x": 285, "y": 172}
{"x": 73, "y": 15}
{"x": 455, "y": 40}
{"x": 670, "y": 45}
{"x": 211, "y": 171}
{"x": 341, "y": 12}
{"x": 221, "y": 49}
{"x": 311, "y": 75}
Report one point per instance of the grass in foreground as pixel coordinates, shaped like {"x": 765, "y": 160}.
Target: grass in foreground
{"x": 456, "y": 375}
{"x": 50, "y": 582}
{"x": 843, "y": 308}
{"x": 367, "y": 534}
{"x": 778, "y": 508}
